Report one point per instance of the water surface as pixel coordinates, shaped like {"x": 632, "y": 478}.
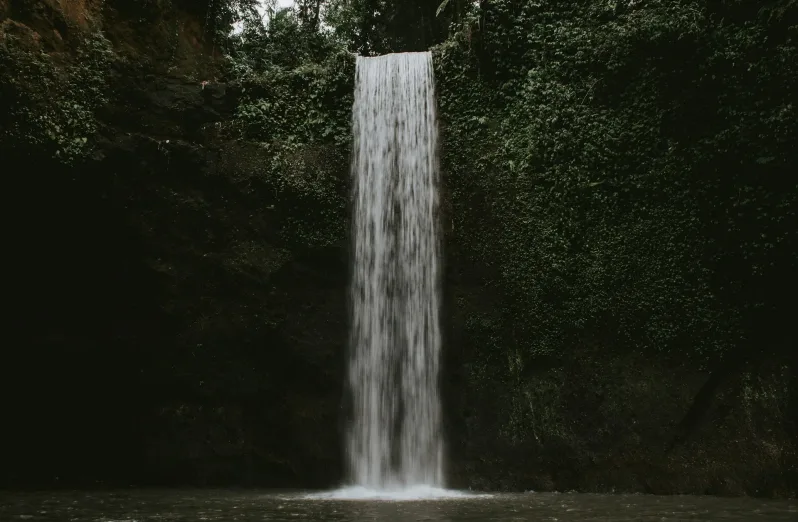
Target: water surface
{"x": 246, "y": 506}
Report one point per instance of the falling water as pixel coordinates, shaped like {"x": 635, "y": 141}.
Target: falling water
{"x": 395, "y": 435}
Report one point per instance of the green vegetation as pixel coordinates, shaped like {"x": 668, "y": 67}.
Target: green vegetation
{"x": 631, "y": 167}
{"x": 295, "y": 103}
{"x": 50, "y": 106}
{"x": 630, "y": 184}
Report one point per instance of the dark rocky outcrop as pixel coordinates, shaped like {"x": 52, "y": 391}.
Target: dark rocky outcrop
{"x": 167, "y": 329}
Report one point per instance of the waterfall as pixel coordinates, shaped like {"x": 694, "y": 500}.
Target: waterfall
{"x": 394, "y": 438}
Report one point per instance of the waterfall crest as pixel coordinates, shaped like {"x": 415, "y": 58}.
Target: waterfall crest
{"x": 394, "y": 438}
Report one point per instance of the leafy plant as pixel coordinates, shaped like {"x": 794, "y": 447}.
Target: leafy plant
{"x": 52, "y": 105}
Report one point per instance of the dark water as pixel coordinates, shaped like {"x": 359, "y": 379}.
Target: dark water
{"x": 215, "y": 505}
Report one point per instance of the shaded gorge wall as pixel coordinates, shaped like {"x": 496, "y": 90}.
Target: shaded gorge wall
{"x": 181, "y": 313}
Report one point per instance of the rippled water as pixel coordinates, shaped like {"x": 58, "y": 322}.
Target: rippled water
{"x": 214, "y": 505}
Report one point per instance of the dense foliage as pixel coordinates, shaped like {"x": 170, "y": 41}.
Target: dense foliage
{"x": 632, "y": 171}
{"x": 630, "y": 186}
{"x": 50, "y": 106}
{"x": 296, "y": 94}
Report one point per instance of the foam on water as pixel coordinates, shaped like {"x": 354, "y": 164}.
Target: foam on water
{"x": 411, "y": 493}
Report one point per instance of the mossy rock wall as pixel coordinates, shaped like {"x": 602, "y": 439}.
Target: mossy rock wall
{"x": 613, "y": 322}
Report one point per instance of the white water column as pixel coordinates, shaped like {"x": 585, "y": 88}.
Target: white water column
{"x": 395, "y": 439}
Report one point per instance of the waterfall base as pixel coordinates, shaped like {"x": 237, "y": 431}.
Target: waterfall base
{"x": 410, "y": 493}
